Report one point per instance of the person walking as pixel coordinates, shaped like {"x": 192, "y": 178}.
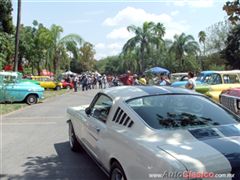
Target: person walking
{"x": 75, "y": 82}
{"x": 191, "y": 84}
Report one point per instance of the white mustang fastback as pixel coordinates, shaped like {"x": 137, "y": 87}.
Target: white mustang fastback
{"x": 150, "y": 132}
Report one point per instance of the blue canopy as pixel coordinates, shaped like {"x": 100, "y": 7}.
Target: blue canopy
{"x": 158, "y": 70}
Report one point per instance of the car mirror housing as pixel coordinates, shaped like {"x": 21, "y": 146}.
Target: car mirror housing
{"x": 88, "y": 110}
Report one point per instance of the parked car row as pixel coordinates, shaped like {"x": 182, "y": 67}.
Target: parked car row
{"x": 15, "y": 88}
{"x": 221, "y": 86}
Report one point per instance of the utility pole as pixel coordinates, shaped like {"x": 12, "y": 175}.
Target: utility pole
{"x": 17, "y": 36}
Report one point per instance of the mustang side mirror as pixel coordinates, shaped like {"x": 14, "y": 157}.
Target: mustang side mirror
{"x": 88, "y": 110}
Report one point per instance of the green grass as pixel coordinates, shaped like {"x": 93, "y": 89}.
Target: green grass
{"x": 10, "y": 107}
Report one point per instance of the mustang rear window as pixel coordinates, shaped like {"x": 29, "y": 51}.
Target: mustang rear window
{"x": 180, "y": 111}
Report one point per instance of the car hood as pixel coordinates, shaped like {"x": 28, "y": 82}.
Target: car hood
{"x": 214, "y": 149}
{"x": 182, "y": 83}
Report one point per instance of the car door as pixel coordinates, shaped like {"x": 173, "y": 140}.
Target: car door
{"x": 96, "y": 124}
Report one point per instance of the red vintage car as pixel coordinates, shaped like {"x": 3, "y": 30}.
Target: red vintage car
{"x": 67, "y": 85}
{"x": 231, "y": 99}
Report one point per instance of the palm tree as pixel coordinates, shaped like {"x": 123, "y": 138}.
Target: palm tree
{"x": 183, "y": 45}
{"x": 159, "y": 31}
{"x": 17, "y": 36}
{"x": 60, "y": 45}
{"x": 202, "y": 39}
{"x": 142, "y": 39}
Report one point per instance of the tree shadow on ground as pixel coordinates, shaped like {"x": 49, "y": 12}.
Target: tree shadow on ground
{"x": 66, "y": 165}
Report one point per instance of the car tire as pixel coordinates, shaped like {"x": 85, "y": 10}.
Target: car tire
{"x": 68, "y": 87}
{"x": 31, "y": 99}
{"x": 117, "y": 172}
{"x": 74, "y": 144}
{"x": 58, "y": 88}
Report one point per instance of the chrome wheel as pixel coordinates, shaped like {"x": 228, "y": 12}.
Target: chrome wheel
{"x": 32, "y": 99}
{"x": 74, "y": 144}
{"x": 117, "y": 175}
{"x": 71, "y": 136}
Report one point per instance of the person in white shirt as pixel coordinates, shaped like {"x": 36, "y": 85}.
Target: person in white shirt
{"x": 191, "y": 84}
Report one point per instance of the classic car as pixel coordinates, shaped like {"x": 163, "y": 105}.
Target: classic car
{"x": 14, "y": 90}
{"x": 47, "y": 83}
{"x": 67, "y": 85}
{"x": 178, "y": 77}
{"x": 218, "y": 82}
{"x": 19, "y": 77}
{"x": 201, "y": 78}
{"x": 231, "y": 99}
{"x": 137, "y": 132}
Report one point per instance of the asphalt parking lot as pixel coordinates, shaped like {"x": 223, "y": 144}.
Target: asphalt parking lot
{"x": 34, "y": 142}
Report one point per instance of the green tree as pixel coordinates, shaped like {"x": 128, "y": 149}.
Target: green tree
{"x": 233, "y": 11}
{"x": 6, "y": 31}
{"x": 202, "y": 39}
{"x": 143, "y": 36}
{"x": 216, "y": 37}
{"x": 183, "y": 45}
{"x": 59, "y": 45}
{"x": 6, "y": 24}
{"x": 232, "y": 51}
{"x": 87, "y": 60}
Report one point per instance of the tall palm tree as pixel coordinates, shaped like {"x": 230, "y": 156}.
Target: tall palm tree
{"x": 159, "y": 31}
{"x": 59, "y": 45}
{"x": 202, "y": 39}
{"x": 183, "y": 45}
{"x": 17, "y": 36}
{"x": 142, "y": 39}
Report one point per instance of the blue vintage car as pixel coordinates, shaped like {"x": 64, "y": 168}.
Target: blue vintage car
{"x": 12, "y": 89}
{"x": 201, "y": 79}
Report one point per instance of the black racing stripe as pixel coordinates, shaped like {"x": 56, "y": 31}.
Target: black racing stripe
{"x": 229, "y": 149}
{"x": 152, "y": 90}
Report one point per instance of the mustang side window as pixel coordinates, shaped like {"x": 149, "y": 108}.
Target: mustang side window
{"x": 102, "y": 108}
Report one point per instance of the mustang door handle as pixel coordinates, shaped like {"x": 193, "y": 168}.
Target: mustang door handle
{"x": 97, "y": 129}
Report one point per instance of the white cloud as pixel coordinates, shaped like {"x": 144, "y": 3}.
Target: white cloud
{"x": 174, "y": 13}
{"x": 195, "y": 3}
{"x": 119, "y": 33}
{"x": 131, "y": 15}
{"x": 104, "y": 50}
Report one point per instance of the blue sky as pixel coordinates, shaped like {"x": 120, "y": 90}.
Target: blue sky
{"x": 103, "y": 23}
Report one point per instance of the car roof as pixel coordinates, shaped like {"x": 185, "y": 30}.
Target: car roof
{"x": 8, "y": 73}
{"x": 40, "y": 76}
{"x": 208, "y": 72}
{"x": 129, "y": 92}
{"x": 229, "y": 72}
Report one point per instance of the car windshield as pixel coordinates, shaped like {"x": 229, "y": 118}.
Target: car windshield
{"x": 203, "y": 78}
{"x": 181, "y": 111}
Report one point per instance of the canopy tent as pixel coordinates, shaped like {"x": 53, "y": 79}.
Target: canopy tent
{"x": 157, "y": 70}
{"x": 69, "y": 73}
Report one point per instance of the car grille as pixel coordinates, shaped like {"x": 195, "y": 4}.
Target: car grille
{"x": 230, "y": 102}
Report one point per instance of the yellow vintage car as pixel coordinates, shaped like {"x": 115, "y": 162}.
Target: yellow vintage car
{"x": 47, "y": 83}
{"x": 218, "y": 82}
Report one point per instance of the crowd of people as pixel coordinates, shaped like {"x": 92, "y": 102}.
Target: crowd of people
{"x": 88, "y": 81}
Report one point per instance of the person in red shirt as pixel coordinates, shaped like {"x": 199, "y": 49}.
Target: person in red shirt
{"x": 127, "y": 79}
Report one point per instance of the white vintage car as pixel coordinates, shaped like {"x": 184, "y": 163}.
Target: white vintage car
{"x": 155, "y": 132}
